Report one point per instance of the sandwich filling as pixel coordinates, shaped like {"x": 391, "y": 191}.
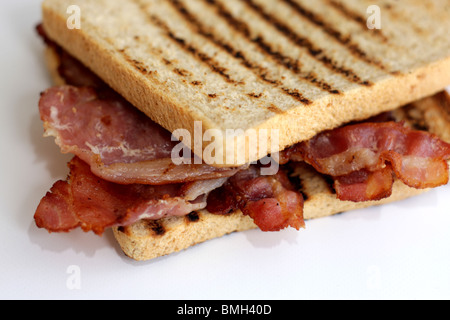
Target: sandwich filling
{"x": 122, "y": 170}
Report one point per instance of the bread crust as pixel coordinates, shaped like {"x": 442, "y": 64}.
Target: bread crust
{"x": 115, "y": 48}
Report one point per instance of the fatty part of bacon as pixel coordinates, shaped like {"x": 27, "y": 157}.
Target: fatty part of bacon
{"x": 94, "y": 204}
{"x": 271, "y": 201}
{"x": 120, "y": 143}
{"x": 364, "y": 158}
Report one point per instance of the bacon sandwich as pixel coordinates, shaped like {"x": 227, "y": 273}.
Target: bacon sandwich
{"x": 360, "y": 115}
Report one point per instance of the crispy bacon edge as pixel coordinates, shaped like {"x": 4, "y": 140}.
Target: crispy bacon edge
{"x": 363, "y": 159}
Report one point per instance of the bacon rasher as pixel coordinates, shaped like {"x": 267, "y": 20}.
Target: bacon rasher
{"x": 364, "y": 158}
{"x": 271, "y": 201}
{"x": 120, "y": 143}
{"x": 93, "y": 204}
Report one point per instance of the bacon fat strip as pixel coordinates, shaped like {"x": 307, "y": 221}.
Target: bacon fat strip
{"x": 120, "y": 143}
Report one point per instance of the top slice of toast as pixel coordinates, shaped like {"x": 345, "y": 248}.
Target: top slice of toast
{"x": 240, "y": 66}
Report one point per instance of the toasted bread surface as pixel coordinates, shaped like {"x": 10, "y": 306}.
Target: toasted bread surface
{"x": 295, "y": 66}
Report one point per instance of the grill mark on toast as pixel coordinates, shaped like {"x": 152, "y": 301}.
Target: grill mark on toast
{"x": 227, "y": 47}
{"x": 361, "y": 20}
{"x": 136, "y": 64}
{"x": 273, "y": 108}
{"x": 258, "y": 70}
{"x": 314, "y": 18}
{"x": 196, "y": 83}
{"x": 182, "y": 72}
{"x": 296, "y": 94}
{"x": 280, "y": 58}
{"x": 191, "y": 49}
{"x": 125, "y": 230}
{"x": 156, "y": 226}
{"x": 293, "y": 65}
{"x": 255, "y": 95}
{"x": 302, "y": 42}
{"x": 192, "y": 217}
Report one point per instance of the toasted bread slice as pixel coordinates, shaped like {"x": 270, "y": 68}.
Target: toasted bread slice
{"x": 295, "y": 66}
{"x": 147, "y": 239}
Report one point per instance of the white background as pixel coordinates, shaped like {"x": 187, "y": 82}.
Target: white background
{"x": 398, "y": 251}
